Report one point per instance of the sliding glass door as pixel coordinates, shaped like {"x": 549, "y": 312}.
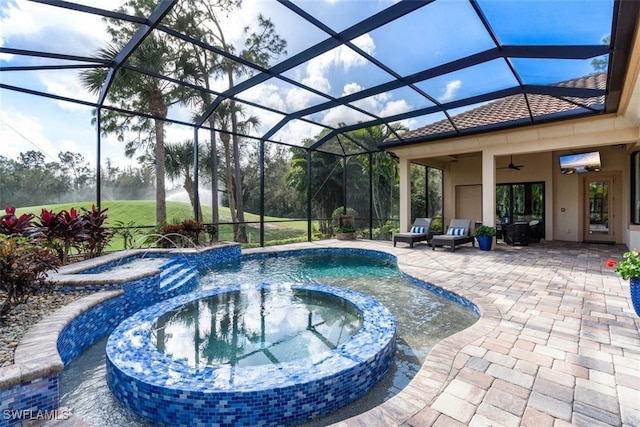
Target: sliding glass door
{"x": 520, "y": 202}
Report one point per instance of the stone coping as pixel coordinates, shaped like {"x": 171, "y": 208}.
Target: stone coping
{"x": 36, "y": 355}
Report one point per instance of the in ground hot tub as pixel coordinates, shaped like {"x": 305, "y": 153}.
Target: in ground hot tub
{"x": 250, "y": 354}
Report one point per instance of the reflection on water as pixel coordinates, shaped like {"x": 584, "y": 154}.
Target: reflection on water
{"x": 423, "y": 318}
{"x": 256, "y": 326}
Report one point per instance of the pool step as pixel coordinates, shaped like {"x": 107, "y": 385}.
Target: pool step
{"x": 176, "y": 274}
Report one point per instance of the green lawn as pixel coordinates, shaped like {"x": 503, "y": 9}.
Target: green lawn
{"x": 141, "y": 213}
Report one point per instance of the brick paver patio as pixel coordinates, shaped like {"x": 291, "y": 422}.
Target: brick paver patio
{"x": 557, "y": 344}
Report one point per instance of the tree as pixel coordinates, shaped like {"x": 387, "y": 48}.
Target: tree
{"x": 224, "y": 118}
{"x": 74, "y": 166}
{"x": 179, "y": 165}
{"x": 135, "y": 91}
{"x": 202, "y": 18}
{"x": 279, "y": 200}
{"x": 326, "y": 182}
{"x": 601, "y": 63}
{"x": 38, "y": 182}
{"x": 385, "y": 169}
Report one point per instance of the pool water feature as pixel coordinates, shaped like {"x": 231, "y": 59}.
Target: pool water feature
{"x": 169, "y": 390}
{"x": 423, "y": 318}
{"x": 258, "y": 326}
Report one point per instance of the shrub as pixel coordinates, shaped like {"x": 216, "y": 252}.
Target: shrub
{"x": 181, "y": 235}
{"x": 96, "y": 235}
{"x": 62, "y": 231}
{"x": 11, "y": 224}
{"x": 192, "y": 229}
{"x": 385, "y": 232}
{"x": 127, "y": 230}
{"x": 24, "y": 263}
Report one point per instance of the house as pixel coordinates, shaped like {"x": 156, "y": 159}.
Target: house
{"x": 525, "y": 173}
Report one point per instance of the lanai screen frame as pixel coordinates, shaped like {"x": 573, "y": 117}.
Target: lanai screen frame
{"x": 623, "y": 24}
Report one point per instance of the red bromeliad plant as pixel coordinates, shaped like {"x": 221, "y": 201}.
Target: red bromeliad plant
{"x": 96, "y": 234}
{"x": 21, "y": 226}
{"x": 63, "y": 231}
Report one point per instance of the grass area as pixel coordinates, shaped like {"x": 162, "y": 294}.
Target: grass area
{"x": 142, "y": 213}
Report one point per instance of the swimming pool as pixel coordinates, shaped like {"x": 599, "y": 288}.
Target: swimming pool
{"x": 423, "y": 318}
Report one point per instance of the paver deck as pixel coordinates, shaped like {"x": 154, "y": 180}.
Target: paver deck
{"x": 557, "y": 344}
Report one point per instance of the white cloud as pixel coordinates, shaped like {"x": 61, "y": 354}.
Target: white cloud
{"x": 20, "y": 133}
{"x": 68, "y": 145}
{"x": 341, "y": 58}
{"x": 450, "y": 91}
{"x": 67, "y": 84}
{"x": 395, "y": 107}
{"x": 344, "y": 114}
{"x": 350, "y": 88}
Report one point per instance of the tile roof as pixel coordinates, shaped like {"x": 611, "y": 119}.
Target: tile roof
{"x": 514, "y": 110}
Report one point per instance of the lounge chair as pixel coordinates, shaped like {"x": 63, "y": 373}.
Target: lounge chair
{"x": 458, "y": 233}
{"x": 420, "y": 231}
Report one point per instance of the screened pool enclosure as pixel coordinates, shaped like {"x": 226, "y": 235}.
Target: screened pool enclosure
{"x": 271, "y": 113}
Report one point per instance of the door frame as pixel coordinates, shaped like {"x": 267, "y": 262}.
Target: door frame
{"x": 615, "y": 207}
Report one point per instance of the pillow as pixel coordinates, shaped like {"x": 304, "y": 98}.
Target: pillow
{"x": 417, "y": 230}
{"x": 456, "y": 232}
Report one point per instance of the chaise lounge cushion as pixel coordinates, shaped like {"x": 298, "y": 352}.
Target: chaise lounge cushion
{"x": 420, "y": 231}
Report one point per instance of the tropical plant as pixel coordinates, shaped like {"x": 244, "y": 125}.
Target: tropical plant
{"x": 485, "y": 230}
{"x": 11, "y": 224}
{"x": 24, "y": 264}
{"x": 62, "y": 231}
{"x": 629, "y": 267}
{"x": 96, "y": 235}
{"x": 179, "y": 163}
{"x": 127, "y": 230}
{"x": 326, "y": 184}
{"x": 384, "y": 168}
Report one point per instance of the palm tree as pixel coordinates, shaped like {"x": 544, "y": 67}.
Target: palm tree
{"x": 135, "y": 91}
{"x": 385, "y": 168}
{"x": 223, "y": 117}
{"x": 179, "y": 164}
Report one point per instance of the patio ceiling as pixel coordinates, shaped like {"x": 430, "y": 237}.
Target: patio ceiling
{"x": 408, "y": 62}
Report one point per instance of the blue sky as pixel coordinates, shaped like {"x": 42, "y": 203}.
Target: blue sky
{"x": 443, "y": 31}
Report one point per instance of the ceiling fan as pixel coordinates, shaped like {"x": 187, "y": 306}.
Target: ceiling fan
{"x": 512, "y": 166}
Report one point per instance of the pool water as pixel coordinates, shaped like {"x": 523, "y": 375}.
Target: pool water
{"x": 256, "y": 326}
{"x": 423, "y": 318}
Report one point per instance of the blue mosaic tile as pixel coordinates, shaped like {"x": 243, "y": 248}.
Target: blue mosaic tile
{"x": 167, "y": 390}
{"x": 26, "y": 402}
